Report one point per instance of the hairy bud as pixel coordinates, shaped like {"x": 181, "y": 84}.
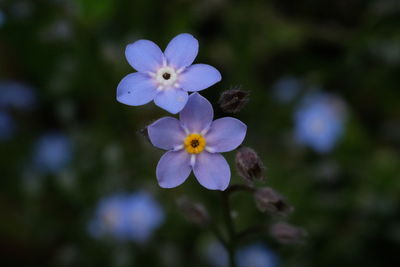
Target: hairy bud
{"x": 194, "y": 212}
{"x": 268, "y": 200}
{"x": 248, "y": 164}
{"x": 233, "y": 100}
{"x": 285, "y": 233}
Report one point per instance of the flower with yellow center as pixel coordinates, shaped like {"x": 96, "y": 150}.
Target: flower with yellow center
{"x": 194, "y": 143}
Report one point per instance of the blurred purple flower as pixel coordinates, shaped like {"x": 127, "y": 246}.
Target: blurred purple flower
{"x": 286, "y": 89}
{"x": 195, "y": 143}
{"x": 127, "y": 217}
{"x": 319, "y": 121}
{"x": 16, "y": 95}
{"x": 256, "y": 255}
{"x": 7, "y": 126}
{"x": 165, "y": 77}
{"x": 52, "y": 153}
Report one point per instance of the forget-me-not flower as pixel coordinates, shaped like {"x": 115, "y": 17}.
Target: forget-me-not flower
{"x": 195, "y": 143}
{"x": 319, "y": 121}
{"x": 165, "y": 77}
{"x": 127, "y": 217}
{"x": 256, "y": 255}
{"x": 52, "y": 153}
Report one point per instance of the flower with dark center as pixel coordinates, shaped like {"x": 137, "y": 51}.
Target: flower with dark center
{"x": 165, "y": 77}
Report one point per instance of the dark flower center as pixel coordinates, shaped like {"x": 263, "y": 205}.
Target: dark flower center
{"x": 194, "y": 143}
{"x": 166, "y": 76}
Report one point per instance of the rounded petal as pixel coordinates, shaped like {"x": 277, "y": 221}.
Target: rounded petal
{"x": 136, "y": 89}
{"x": 225, "y": 134}
{"x": 172, "y": 100}
{"x": 212, "y": 171}
{"x": 173, "y": 168}
{"x": 182, "y": 50}
{"x": 198, "y": 77}
{"x": 144, "y": 55}
{"x": 166, "y": 133}
{"x": 197, "y": 114}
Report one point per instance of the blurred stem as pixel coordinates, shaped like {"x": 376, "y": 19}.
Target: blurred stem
{"x": 240, "y": 187}
{"x": 231, "y": 243}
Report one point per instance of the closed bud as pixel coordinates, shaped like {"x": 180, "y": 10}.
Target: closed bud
{"x": 194, "y": 212}
{"x": 268, "y": 200}
{"x": 248, "y": 164}
{"x": 233, "y": 100}
{"x": 285, "y": 233}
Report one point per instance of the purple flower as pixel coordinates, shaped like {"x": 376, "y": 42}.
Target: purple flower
{"x": 319, "y": 121}
{"x": 165, "y": 77}
{"x": 127, "y": 217}
{"x": 194, "y": 143}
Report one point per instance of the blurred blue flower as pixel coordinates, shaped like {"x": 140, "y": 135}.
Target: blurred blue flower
{"x": 286, "y": 89}
{"x": 216, "y": 255}
{"x": 127, "y": 217}
{"x": 319, "y": 121}
{"x": 16, "y": 95}
{"x": 7, "y": 126}
{"x": 256, "y": 255}
{"x": 52, "y": 153}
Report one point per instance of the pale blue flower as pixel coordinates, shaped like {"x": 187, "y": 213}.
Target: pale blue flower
{"x": 127, "y": 217}
{"x": 52, "y": 153}
{"x": 320, "y": 121}
{"x": 194, "y": 142}
{"x": 7, "y": 126}
{"x": 165, "y": 77}
{"x": 256, "y": 255}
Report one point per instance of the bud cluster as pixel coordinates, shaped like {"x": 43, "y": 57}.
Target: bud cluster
{"x": 233, "y": 100}
{"x": 193, "y": 212}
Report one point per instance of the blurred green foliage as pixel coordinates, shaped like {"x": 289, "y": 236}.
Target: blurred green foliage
{"x": 72, "y": 53}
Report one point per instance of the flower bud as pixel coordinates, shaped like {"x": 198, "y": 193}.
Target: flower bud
{"x": 194, "y": 212}
{"x": 285, "y": 233}
{"x": 268, "y": 200}
{"x": 248, "y": 164}
{"x": 233, "y": 100}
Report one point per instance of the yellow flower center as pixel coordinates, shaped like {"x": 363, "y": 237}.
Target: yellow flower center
{"x": 194, "y": 143}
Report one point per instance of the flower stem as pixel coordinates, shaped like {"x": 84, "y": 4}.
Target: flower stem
{"x": 231, "y": 243}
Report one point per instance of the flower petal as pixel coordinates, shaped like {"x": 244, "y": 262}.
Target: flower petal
{"x": 173, "y": 168}
{"x": 197, "y": 114}
{"x": 136, "y": 89}
{"x": 172, "y": 100}
{"x": 166, "y": 133}
{"x": 144, "y": 55}
{"x": 212, "y": 171}
{"x": 198, "y": 77}
{"x": 225, "y": 134}
{"x": 182, "y": 50}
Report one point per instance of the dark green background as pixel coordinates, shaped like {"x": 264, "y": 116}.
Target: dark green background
{"x": 72, "y": 53}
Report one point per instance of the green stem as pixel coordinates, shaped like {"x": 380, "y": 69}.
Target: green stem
{"x": 230, "y": 246}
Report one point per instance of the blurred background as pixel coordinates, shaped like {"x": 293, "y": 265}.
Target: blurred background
{"x": 77, "y": 179}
